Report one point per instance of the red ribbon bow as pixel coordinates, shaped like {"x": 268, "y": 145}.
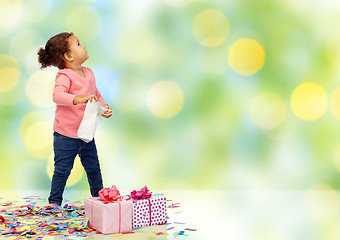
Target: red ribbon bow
{"x": 141, "y": 194}
{"x": 109, "y": 194}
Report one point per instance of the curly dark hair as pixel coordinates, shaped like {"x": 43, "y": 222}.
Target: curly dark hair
{"x": 55, "y": 48}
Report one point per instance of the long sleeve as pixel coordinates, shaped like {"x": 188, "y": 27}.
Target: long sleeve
{"x": 61, "y": 89}
{"x": 100, "y": 98}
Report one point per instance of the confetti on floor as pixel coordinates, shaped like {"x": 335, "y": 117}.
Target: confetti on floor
{"x": 32, "y": 219}
{"x": 161, "y": 233}
{"x": 174, "y": 205}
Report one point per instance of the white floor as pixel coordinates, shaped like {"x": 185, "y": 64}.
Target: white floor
{"x": 239, "y": 215}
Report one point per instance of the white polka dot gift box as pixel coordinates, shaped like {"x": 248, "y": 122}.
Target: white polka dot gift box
{"x": 109, "y": 213}
{"x": 147, "y": 209}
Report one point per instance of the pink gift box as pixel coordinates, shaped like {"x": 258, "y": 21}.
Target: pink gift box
{"x": 148, "y": 212}
{"x": 109, "y": 218}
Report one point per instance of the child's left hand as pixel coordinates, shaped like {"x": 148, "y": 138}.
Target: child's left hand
{"x": 108, "y": 112}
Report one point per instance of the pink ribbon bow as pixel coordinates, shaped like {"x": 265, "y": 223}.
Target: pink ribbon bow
{"x": 141, "y": 194}
{"x": 109, "y": 194}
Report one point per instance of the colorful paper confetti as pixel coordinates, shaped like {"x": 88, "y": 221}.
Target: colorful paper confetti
{"x": 33, "y": 221}
{"x": 190, "y": 229}
{"x": 29, "y": 220}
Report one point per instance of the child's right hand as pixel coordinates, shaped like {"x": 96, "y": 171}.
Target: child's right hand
{"x": 84, "y": 99}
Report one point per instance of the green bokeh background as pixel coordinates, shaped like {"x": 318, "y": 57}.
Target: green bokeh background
{"x": 212, "y": 143}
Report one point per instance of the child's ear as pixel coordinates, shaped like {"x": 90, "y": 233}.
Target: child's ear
{"x": 68, "y": 57}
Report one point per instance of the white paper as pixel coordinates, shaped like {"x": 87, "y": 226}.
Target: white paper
{"x": 87, "y": 128}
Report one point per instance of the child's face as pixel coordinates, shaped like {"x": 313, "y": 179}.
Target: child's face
{"x": 77, "y": 51}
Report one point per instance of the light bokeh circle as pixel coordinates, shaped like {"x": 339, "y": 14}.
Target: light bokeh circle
{"x": 211, "y": 27}
{"x": 165, "y": 99}
{"x": 267, "y": 110}
{"x": 35, "y": 130}
{"x": 246, "y": 56}
{"x": 84, "y": 22}
{"x": 39, "y": 88}
{"x": 309, "y": 101}
{"x": 9, "y": 73}
{"x": 76, "y": 172}
{"x": 8, "y": 61}
{"x": 9, "y": 78}
{"x": 37, "y": 139}
{"x": 35, "y": 136}
{"x": 321, "y": 202}
{"x": 335, "y": 103}
{"x": 10, "y": 13}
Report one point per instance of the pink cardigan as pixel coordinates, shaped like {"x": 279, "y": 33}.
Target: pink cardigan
{"x": 68, "y": 85}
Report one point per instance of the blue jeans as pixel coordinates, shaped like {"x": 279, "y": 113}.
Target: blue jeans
{"x": 65, "y": 151}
